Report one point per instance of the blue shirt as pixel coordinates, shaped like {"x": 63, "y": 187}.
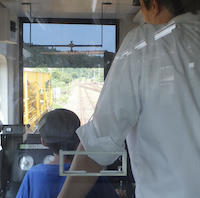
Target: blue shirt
{"x": 43, "y": 181}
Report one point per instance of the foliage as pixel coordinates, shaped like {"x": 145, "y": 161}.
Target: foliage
{"x": 43, "y": 69}
{"x": 63, "y": 98}
{"x": 57, "y": 106}
{"x": 36, "y": 58}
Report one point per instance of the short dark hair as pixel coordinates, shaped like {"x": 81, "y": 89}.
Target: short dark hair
{"x": 57, "y": 129}
{"x": 177, "y": 7}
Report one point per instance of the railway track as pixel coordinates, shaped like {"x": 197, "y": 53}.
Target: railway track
{"x": 91, "y": 86}
{"x": 88, "y": 93}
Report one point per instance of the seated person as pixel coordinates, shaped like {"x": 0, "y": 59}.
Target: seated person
{"x": 57, "y": 129}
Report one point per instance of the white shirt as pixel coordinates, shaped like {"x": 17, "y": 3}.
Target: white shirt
{"x": 151, "y": 97}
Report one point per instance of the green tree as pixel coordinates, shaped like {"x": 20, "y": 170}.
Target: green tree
{"x": 41, "y": 68}
{"x": 55, "y": 74}
{"x": 65, "y": 77}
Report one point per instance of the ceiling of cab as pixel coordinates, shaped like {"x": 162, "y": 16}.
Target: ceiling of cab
{"x": 90, "y": 9}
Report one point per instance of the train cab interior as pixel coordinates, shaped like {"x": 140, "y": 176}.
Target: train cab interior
{"x": 47, "y": 49}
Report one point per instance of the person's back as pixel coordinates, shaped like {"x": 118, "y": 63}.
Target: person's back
{"x": 165, "y": 157}
{"x": 151, "y": 98}
{"x": 156, "y": 83}
{"x": 43, "y": 181}
{"x": 57, "y": 130}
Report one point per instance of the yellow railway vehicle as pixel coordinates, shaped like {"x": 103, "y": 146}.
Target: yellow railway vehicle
{"x": 37, "y": 96}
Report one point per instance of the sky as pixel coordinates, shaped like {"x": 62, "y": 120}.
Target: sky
{"x": 63, "y": 34}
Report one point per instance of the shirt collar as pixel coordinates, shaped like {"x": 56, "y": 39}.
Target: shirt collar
{"x": 187, "y": 17}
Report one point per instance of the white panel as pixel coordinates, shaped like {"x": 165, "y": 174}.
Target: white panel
{"x": 3, "y": 90}
{"x": 7, "y": 18}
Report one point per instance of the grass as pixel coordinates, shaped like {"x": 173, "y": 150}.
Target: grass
{"x": 66, "y": 91}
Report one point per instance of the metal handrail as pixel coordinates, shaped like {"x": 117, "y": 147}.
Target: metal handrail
{"x": 121, "y": 172}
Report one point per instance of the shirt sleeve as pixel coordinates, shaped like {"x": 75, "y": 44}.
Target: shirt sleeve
{"x": 118, "y": 107}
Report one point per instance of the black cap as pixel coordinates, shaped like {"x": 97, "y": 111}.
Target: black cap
{"x": 59, "y": 125}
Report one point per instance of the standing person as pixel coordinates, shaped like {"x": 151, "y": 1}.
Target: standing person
{"x": 57, "y": 129}
{"x": 151, "y": 98}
